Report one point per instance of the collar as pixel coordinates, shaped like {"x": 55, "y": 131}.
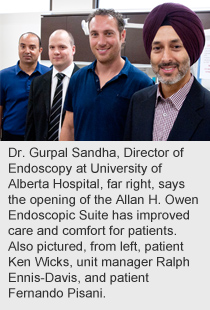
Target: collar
{"x": 177, "y": 98}
{"x": 68, "y": 71}
{"x": 124, "y": 70}
{"x": 37, "y": 69}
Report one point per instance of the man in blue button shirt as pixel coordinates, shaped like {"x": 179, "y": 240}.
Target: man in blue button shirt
{"x": 15, "y": 84}
{"x": 98, "y": 96}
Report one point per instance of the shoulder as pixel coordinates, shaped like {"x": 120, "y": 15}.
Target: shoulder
{"x": 84, "y": 69}
{"x": 137, "y": 72}
{"x": 43, "y": 77}
{"x": 138, "y": 75}
{"x": 199, "y": 93}
{"x": 46, "y": 74}
{"x": 79, "y": 74}
{"x": 43, "y": 69}
{"x": 9, "y": 70}
{"x": 145, "y": 93}
{"x": 8, "y": 76}
{"x": 76, "y": 68}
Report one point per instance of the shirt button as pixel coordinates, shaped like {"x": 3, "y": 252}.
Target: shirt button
{"x": 164, "y": 114}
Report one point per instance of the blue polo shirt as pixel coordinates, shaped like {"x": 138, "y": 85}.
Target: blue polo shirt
{"x": 14, "y": 93}
{"x": 100, "y": 113}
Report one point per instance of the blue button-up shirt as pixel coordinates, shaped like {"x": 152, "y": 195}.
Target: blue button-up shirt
{"x": 14, "y": 92}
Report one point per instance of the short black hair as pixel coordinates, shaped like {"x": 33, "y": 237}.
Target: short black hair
{"x": 108, "y": 12}
{"x": 40, "y": 43}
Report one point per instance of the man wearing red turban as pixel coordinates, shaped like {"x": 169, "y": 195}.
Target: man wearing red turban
{"x": 178, "y": 108}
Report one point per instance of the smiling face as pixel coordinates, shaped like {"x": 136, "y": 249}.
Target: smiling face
{"x": 105, "y": 39}
{"x": 61, "y": 50}
{"x": 169, "y": 59}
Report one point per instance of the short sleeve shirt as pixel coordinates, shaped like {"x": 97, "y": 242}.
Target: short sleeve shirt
{"x": 100, "y": 113}
{"x": 14, "y": 92}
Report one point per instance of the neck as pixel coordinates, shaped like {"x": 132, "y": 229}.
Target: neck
{"x": 106, "y": 71}
{"x": 28, "y": 68}
{"x": 114, "y": 67}
{"x": 60, "y": 69}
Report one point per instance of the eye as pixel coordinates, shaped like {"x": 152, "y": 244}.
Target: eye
{"x": 176, "y": 47}
{"x": 156, "y": 49}
{"x": 94, "y": 34}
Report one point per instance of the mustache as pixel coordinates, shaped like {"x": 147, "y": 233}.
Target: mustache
{"x": 168, "y": 64}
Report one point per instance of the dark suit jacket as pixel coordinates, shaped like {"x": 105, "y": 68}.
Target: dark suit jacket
{"x": 192, "y": 123}
{"x": 39, "y": 107}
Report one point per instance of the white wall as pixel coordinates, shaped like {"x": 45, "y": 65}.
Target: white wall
{"x": 14, "y": 24}
{"x": 71, "y": 5}
{"x": 148, "y": 5}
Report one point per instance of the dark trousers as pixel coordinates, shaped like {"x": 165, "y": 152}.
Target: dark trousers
{"x": 6, "y": 136}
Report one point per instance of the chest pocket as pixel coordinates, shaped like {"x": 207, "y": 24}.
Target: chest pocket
{"x": 121, "y": 105}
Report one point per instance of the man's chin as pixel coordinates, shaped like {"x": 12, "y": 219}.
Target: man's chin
{"x": 169, "y": 80}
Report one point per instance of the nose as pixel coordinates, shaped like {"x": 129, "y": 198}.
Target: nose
{"x": 102, "y": 40}
{"x": 27, "y": 50}
{"x": 56, "y": 51}
{"x": 167, "y": 55}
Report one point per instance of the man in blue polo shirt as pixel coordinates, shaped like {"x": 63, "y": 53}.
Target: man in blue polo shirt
{"x": 98, "y": 96}
{"x": 15, "y": 84}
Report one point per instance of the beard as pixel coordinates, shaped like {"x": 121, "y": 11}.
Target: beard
{"x": 167, "y": 79}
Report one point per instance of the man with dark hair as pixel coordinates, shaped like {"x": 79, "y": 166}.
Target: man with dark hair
{"x": 98, "y": 95}
{"x": 47, "y": 93}
{"x": 109, "y": 12}
{"x": 15, "y": 85}
{"x": 178, "y": 109}
{"x": 31, "y": 33}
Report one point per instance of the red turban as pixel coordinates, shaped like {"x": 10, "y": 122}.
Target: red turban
{"x": 184, "y": 21}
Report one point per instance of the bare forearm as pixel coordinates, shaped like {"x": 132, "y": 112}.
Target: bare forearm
{"x": 67, "y": 134}
{"x": 67, "y": 131}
